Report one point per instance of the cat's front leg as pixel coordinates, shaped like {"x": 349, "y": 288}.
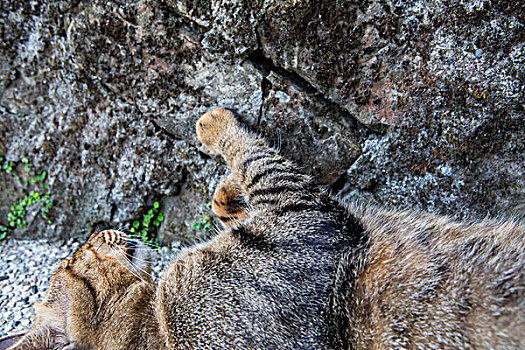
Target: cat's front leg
{"x": 268, "y": 180}
{"x": 229, "y": 203}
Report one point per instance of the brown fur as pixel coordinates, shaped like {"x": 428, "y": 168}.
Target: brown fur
{"x": 292, "y": 269}
{"x": 228, "y": 202}
{"x": 94, "y": 301}
{"x": 425, "y": 281}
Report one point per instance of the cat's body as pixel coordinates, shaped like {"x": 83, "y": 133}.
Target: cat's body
{"x": 428, "y": 282}
{"x": 294, "y": 269}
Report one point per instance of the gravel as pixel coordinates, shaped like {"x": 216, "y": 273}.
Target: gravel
{"x": 25, "y": 269}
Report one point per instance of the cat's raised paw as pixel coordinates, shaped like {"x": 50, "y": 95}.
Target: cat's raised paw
{"x": 211, "y": 126}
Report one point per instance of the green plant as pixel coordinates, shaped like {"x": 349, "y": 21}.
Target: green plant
{"x": 4, "y": 230}
{"x": 148, "y": 226}
{"x": 34, "y": 190}
{"x": 203, "y": 222}
{"x": 7, "y": 165}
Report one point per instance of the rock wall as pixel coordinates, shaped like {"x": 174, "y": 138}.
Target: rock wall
{"x": 417, "y": 104}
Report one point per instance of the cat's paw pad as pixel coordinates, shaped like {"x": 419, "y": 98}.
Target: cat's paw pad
{"x": 211, "y": 126}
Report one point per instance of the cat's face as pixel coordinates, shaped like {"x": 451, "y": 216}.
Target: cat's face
{"x": 85, "y": 291}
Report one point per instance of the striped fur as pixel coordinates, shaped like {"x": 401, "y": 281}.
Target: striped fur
{"x": 294, "y": 268}
{"x": 94, "y": 301}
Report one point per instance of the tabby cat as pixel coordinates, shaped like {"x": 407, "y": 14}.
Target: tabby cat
{"x": 293, "y": 268}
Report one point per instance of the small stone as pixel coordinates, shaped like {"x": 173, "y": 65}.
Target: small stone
{"x": 479, "y": 53}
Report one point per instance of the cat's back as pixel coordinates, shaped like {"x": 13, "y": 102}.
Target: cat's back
{"x": 427, "y": 281}
{"x": 251, "y": 288}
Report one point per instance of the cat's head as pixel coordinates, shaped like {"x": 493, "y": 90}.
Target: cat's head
{"x": 86, "y": 290}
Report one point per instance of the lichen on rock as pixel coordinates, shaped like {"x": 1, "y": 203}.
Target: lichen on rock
{"x": 416, "y": 104}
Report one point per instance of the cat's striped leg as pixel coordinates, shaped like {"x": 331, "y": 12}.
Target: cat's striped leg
{"x": 228, "y": 202}
{"x": 267, "y": 179}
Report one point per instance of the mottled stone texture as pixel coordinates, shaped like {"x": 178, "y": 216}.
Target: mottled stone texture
{"x": 415, "y": 104}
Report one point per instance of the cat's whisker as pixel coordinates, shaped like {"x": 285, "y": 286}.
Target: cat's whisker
{"x": 121, "y": 228}
{"x": 119, "y": 253}
{"x": 132, "y": 237}
{"x": 216, "y": 229}
{"x": 140, "y": 249}
{"x": 144, "y": 272}
{"x": 134, "y": 272}
{"x": 137, "y": 271}
{"x": 134, "y": 257}
{"x": 122, "y": 252}
{"x": 137, "y": 238}
{"x": 134, "y": 241}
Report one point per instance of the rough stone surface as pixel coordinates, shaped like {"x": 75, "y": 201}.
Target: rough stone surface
{"x": 417, "y": 104}
{"x": 295, "y": 120}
